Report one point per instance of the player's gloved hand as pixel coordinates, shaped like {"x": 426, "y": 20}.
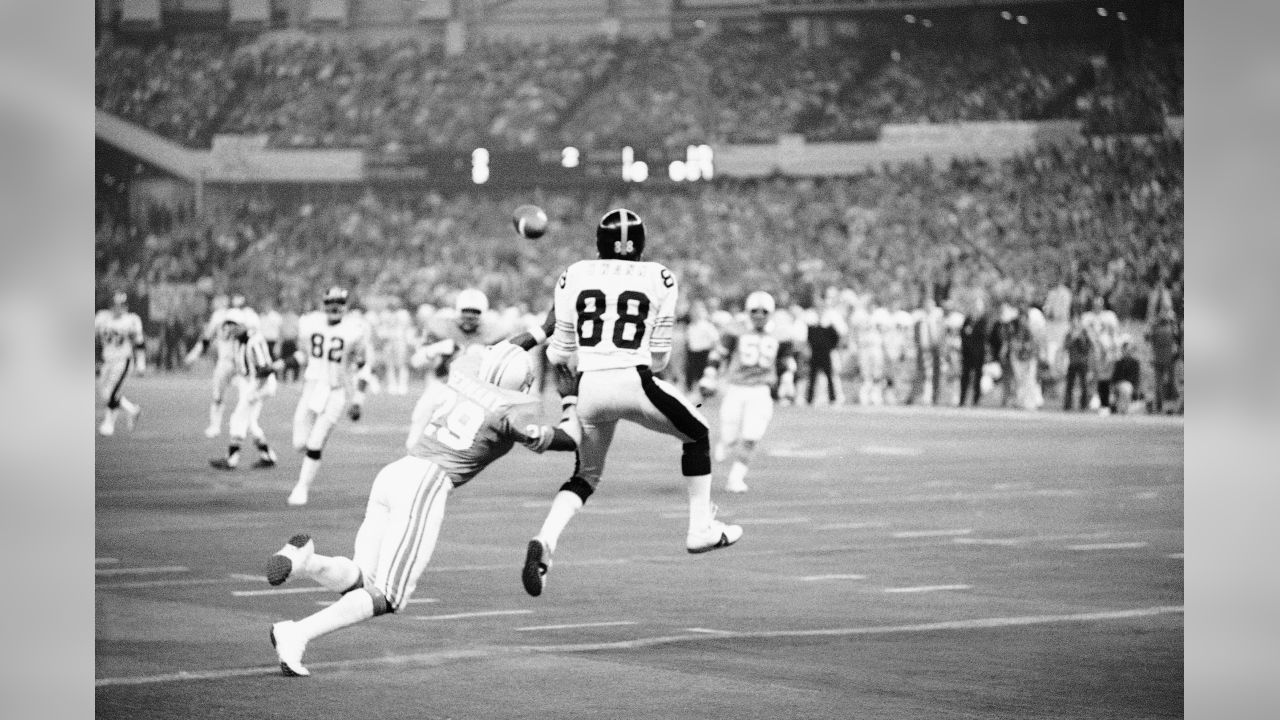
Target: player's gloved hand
{"x": 566, "y": 381}
{"x": 524, "y": 340}
{"x": 353, "y": 412}
{"x": 707, "y": 384}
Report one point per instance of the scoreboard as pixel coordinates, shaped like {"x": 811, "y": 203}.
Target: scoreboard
{"x": 566, "y": 167}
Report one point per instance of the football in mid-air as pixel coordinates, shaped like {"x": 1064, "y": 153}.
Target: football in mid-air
{"x": 530, "y": 221}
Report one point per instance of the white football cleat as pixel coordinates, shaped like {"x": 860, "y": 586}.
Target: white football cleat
{"x": 131, "y": 418}
{"x": 106, "y": 430}
{"x": 735, "y": 487}
{"x": 212, "y": 431}
{"x": 294, "y": 555}
{"x": 289, "y": 648}
{"x": 712, "y": 536}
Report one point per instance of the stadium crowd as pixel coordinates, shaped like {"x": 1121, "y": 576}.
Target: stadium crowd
{"x": 731, "y": 86}
{"x": 1098, "y": 219}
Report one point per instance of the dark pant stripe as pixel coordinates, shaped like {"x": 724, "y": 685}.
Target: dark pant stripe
{"x": 114, "y": 401}
{"x": 675, "y": 411}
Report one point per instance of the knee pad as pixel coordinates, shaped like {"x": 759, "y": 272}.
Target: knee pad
{"x": 696, "y": 459}
{"x": 579, "y": 487}
{"x": 381, "y": 605}
{"x": 313, "y": 454}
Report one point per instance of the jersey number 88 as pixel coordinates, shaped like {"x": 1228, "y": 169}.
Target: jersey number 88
{"x": 591, "y": 308}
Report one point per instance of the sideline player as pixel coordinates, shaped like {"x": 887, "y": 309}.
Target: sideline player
{"x": 459, "y": 428}
{"x": 757, "y": 366}
{"x": 120, "y": 333}
{"x": 617, "y": 313}
{"x": 334, "y": 347}
{"x": 255, "y": 381}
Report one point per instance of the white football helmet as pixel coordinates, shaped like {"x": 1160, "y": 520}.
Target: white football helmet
{"x": 760, "y": 300}
{"x": 507, "y": 366}
{"x": 471, "y": 299}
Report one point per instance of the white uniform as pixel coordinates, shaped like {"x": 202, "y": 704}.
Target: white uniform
{"x": 750, "y": 375}
{"x": 618, "y": 316}
{"x": 223, "y": 343}
{"x": 333, "y": 354}
{"x": 120, "y": 336}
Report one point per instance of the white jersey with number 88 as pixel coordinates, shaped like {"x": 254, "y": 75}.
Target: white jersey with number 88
{"x": 614, "y": 313}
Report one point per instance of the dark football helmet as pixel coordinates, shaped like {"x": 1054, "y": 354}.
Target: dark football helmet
{"x": 620, "y": 235}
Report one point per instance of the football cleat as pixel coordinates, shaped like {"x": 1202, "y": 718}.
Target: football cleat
{"x": 131, "y": 418}
{"x": 212, "y": 431}
{"x": 295, "y": 553}
{"x": 537, "y": 561}
{"x": 737, "y": 486}
{"x": 265, "y": 462}
{"x": 289, "y": 648}
{"x": 222, "y": 464}
{"x": 106, "y": 430}
{"x": 713, "y": 536}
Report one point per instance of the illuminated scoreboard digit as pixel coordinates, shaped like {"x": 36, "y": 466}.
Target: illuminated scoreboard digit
{"x": 566, "y": 166}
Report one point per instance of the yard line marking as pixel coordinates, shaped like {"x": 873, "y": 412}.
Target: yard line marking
{"x": 835, "y": 576}
{"x": 507, "y": 566}
{"x": 773, "y": 521}
{"x": 927, "y": 588}
{"x": 459, "y": 616}
{"x": 1109, "y": 546}
{"x": 105, "y": 561}
{"x": 175, "y": 582}
{"x": 1028, "y": 539}
{"x": 1176, "y": 556}
{"x": 693, "y": 635}
{"x": 533, "y": 628}
{"x": 111, "y": 572}
{"x": 327, "y": 603}
{"x": 930, "y": 533}
{"x": 890, "y": 450}
{"x": 854, "y": 525}
{"x": 280, "y": 591}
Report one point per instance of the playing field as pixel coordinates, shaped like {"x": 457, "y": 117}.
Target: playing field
{"x": 896, "y": 563}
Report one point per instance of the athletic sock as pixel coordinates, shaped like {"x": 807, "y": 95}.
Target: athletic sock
{"x": 334, "y": 573}
{"x": 307, "y": 475}
{"x": 737, "y": 472}
{"x": 565, "y": 505}
{"x": 350, "y": 609}
{"x": 699, "y": 501}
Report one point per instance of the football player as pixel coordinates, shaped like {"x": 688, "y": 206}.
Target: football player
{"x": 459, "y": 427}
{"x": 465, "y": 333}
{"x": 334, "y": 348}
{"x": 395, "y": 331}
{"x": 224, "y": 372}
{"x": 120, "y": 334}
{"x": 255, "y": 380}
{"x": 616, "y": 314}
{"x": 758, "y": 366}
